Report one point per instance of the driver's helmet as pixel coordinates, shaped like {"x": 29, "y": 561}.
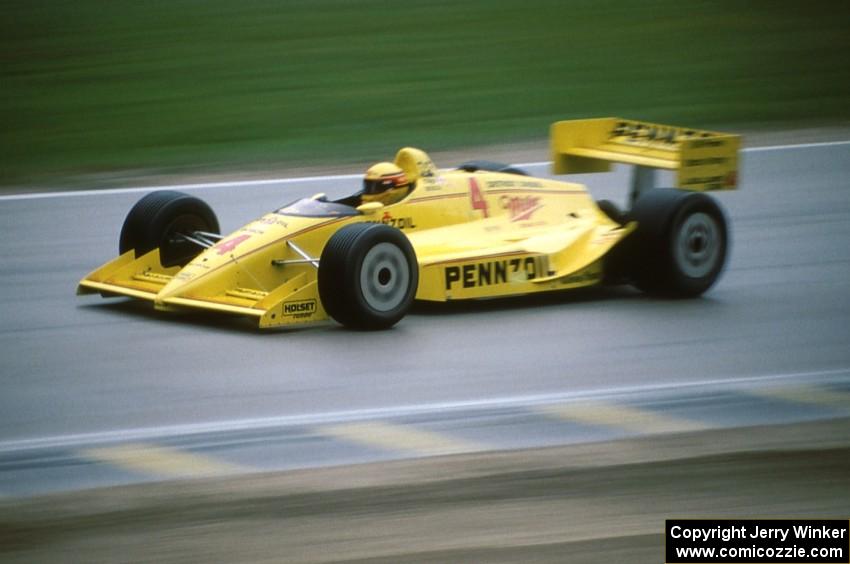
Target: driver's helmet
{"x": 385, "y": 183}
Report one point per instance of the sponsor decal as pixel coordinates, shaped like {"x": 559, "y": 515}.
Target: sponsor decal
{"x": 527, "y": 224}
{"x": 700, "y": 143}
{"x": 514, "y": 184}
{"x": 225, "y": 247}
{"x": 426, "y": 169}
{"x": 494, "y": 272}
{"x": 397, "y": 222}
{"x": 636, "y": 132}
{"x": 299, "y": 308}
{"x": 646, "y": 132}
{"x": 273, "y": 220}
{"x": 706, "y": 161}
{"x": 477, "y": 199}
{"x": 710, "y": 182}
{"x": 431, "y": 184}
{"x": 520, "y": 207}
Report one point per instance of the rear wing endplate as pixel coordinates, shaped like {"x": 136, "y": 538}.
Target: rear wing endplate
{"x": 701, "y": 160}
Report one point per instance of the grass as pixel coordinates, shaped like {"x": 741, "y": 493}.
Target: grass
{"x": 187, "y": 86}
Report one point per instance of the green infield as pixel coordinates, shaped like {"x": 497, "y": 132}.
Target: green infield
{"x": 189, "y": 86}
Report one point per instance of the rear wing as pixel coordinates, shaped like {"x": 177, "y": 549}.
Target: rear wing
{"x": 702, "y": 160}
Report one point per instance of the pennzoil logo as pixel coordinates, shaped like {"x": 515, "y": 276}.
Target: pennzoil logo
{"x": 299, "y": 308}
{"x": 397, "y": 222}
{"x": 491, "y": 273}
{"x": 520, "y": 207}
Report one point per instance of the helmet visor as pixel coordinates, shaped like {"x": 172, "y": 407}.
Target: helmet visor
{"x": 378, "y": 185}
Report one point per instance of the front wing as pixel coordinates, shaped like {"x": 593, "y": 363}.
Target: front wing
{"x": 292, "y": 303}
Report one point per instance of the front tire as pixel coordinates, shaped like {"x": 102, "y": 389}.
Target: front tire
{"x": 681, "y": 243}
{"x": 156, "y": 222}
{"x": 368, "y": 276}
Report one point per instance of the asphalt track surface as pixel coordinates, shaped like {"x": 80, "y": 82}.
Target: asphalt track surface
{"x": 78, "y": 371}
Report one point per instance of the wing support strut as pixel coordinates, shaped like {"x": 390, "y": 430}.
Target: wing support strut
{"x": 306, "y": 259}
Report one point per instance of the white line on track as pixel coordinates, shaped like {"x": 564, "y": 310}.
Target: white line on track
{"x": 198, "y": 186}
{"x": 337, "y": 417}
{"x": 234, "y": 183}
{"x": 794, "y": 146}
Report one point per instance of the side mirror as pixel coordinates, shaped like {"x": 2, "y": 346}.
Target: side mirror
{"x": 370, "y": 208}
{"x": 321, "y": 196}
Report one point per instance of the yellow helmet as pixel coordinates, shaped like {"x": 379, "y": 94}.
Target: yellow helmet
{"x": 385, "y": 183}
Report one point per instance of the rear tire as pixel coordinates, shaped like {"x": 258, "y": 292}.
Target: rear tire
{"x": 680, "y": 246}
{"x": 368, "y": 276}
{"x": 155, "y": 221}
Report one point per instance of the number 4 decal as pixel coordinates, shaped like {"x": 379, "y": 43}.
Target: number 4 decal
{"x": 478, "y": 201}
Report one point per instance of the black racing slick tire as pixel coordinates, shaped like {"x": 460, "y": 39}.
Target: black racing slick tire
{"x": 368, "y": 276}
{"x": 156, "y": 222}
{"x": 680, "y": 245}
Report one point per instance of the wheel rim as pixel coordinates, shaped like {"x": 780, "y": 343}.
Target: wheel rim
{"x": 697, "y": 245}
{"x": 384, "y": 277}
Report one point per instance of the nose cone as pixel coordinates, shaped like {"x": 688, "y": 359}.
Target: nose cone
{"x": 239, "y": 268}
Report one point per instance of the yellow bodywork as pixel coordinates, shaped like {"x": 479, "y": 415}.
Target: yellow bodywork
{"x": 476, "y": 235}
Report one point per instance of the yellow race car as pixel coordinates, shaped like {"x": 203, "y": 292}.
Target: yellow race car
{"x": 416, "y": 232}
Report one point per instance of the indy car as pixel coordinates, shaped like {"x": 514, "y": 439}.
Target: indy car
{"x": 416, "y": 232}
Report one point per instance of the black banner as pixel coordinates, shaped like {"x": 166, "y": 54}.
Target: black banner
{"x": 744, "y": 541}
